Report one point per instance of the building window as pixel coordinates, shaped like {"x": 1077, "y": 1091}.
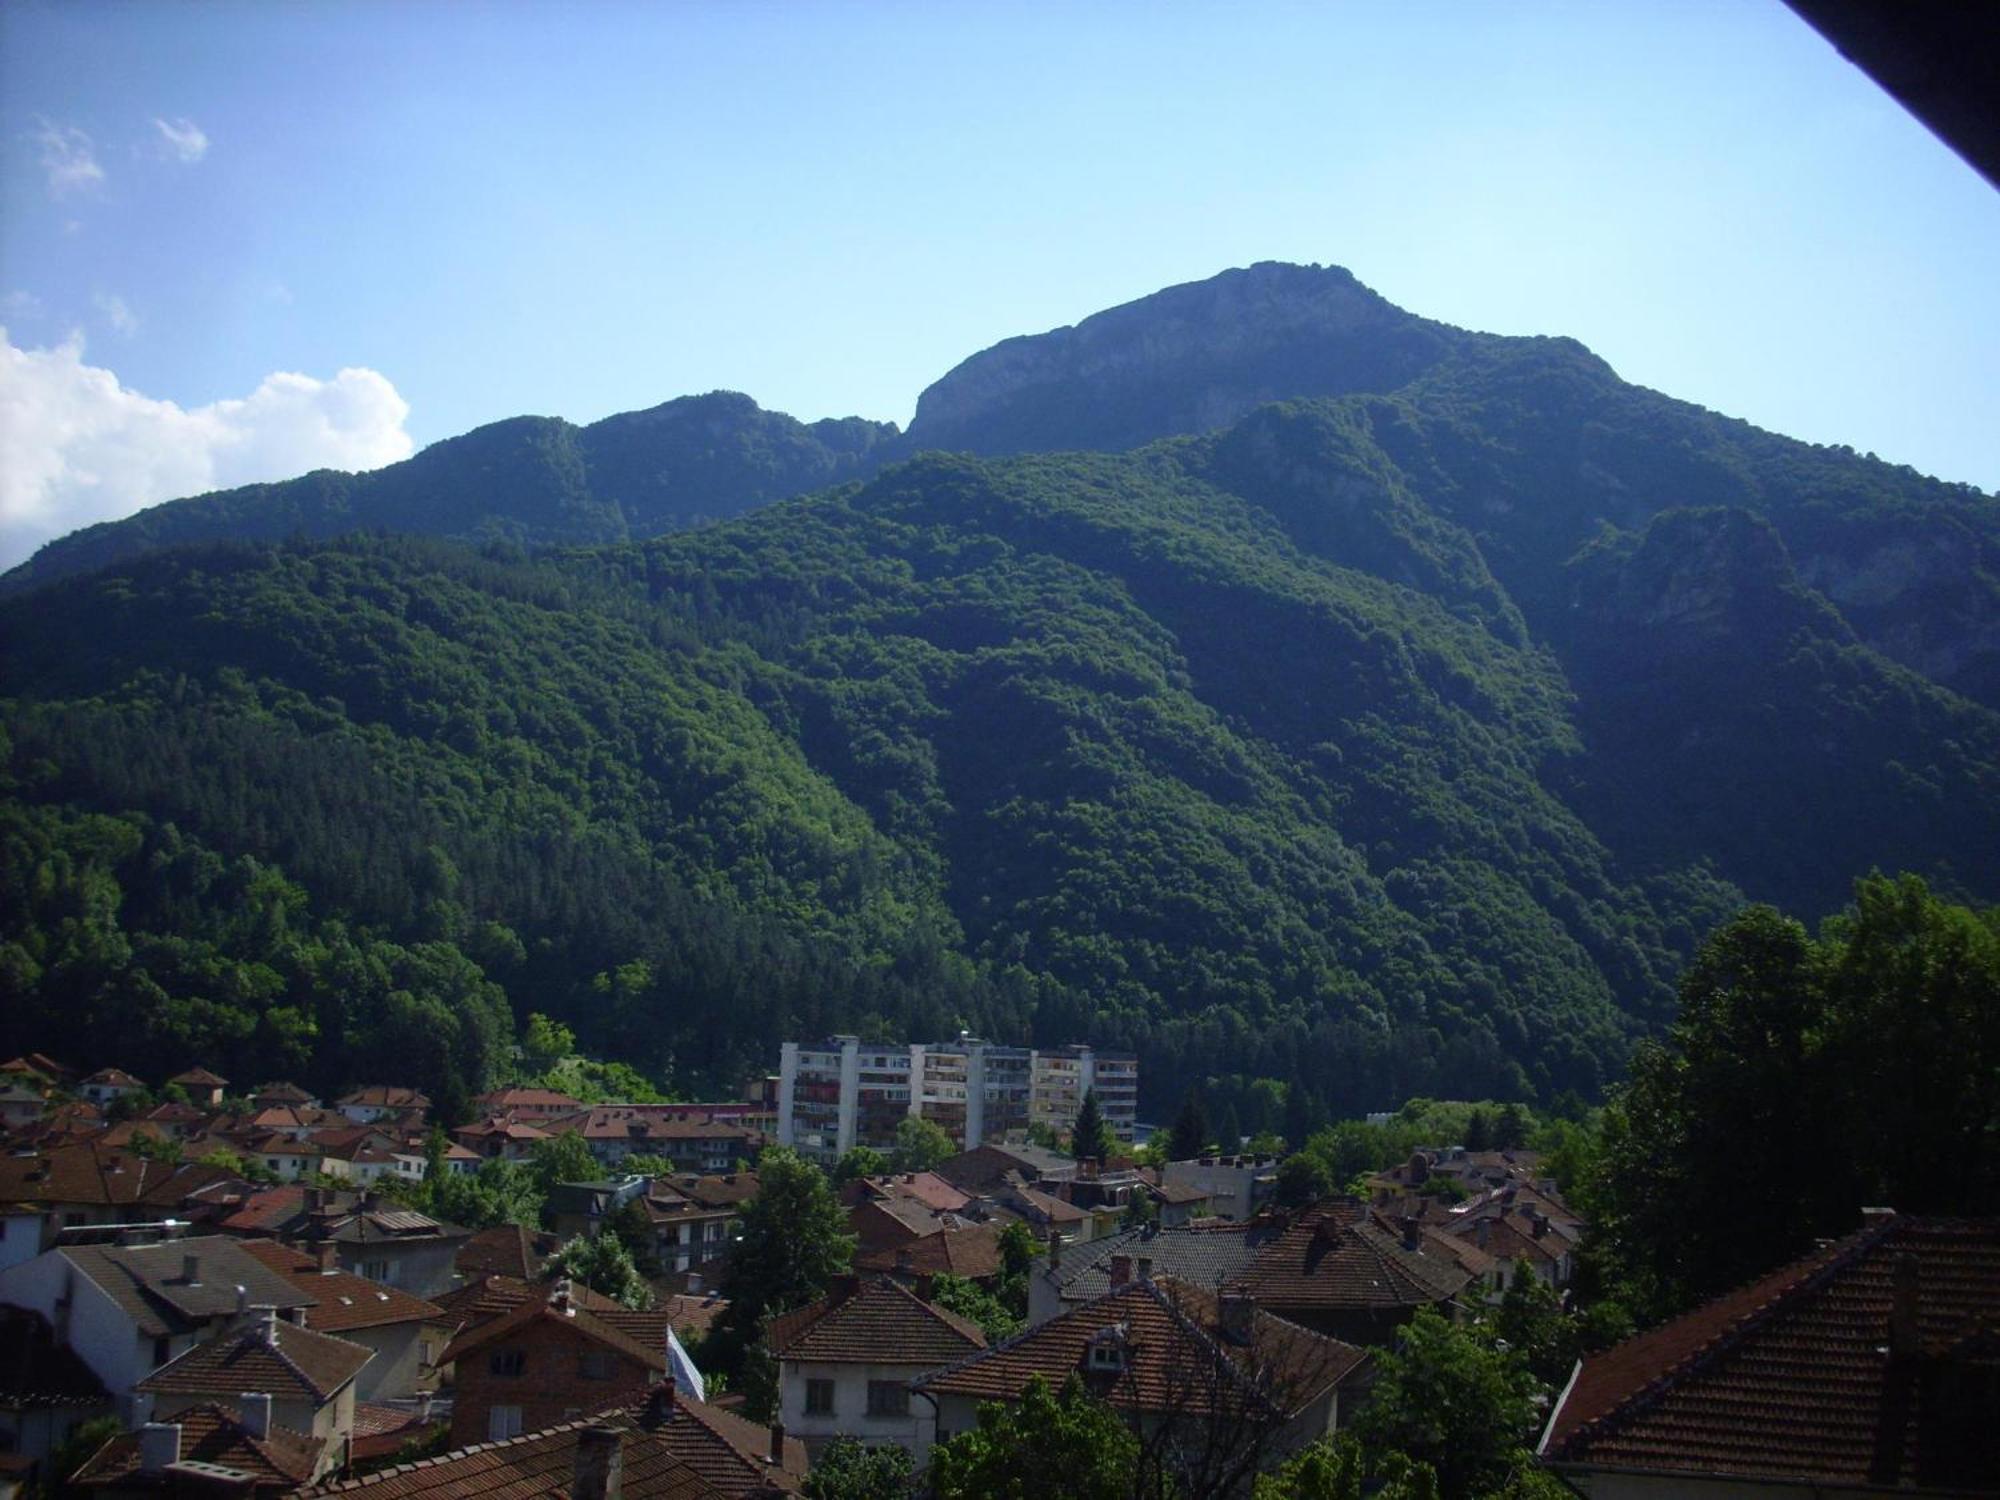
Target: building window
{"x": 375, "y": 1270}
{"x": 502, "y": 1422}
{"x": 596, "y": 1364}
{"x": 888, "y": 1398}
{"x": 506, "y": 1362}
{"x": 819, "y": 1398}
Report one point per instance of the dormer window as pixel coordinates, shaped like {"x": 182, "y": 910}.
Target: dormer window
{"x": 1108, "y": 1351}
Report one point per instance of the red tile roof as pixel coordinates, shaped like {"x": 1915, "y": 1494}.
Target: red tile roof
{"x": 92, "y": 1173}
{"x": 973, "y": 1252}
{"x": 342, "y": 1300}
{"x": 873, "y": 1322}
{"x": 597, "y": 1328}
{"x": 215, "y": 1434}
{"x": 278, "y": 1357}
{"x": 505, "y": 1250}
{"x": 1177, "y": 1356}
{"x": 1805, "y": 1374}
{"x": 1338, "y": 1259}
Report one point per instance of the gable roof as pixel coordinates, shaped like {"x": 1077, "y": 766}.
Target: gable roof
{"x": 1805, "y": 1374}
{"x": 342, "y": 1300}
{"x": 874, "y": 1321}
{"x": 214, "y": 1434}
{"x": 269, "y": 1355}
{"x": 669, "y": 1453}
{"x": 386, "y": 1096}
{"x": 199, "y": 1077}
{"x": 505, "y": 1250}
{"x": 582, "y": 1322}
{"x": 116, "y": 1078}
{"x": 91, "y": 1172}
{"x": 151, "y": 1287}
{"x": 1178, "y": 1358}
{"x": 972, "y": 1252}
{"x": 1203, "y": 1257}
{"x": 1336, "y": 1259}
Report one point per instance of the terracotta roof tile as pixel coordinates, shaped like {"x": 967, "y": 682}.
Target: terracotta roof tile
{"x": 1176, "y": 1357}
{"x": 1338, "y": 1259}
{"x": 1801, "y": 1375}
{"x": 277, "y": 1357}
{"x": 972, "y": 1252}
{"x": 342, "y": 1300}
{"x": 215, "y": 1434}
{"x": 93, "y": 1173}
{"x": 585, "y": 1323}
{"x": 873, "y": 1322}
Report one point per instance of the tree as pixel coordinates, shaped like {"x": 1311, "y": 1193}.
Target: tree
{"x": 1142, "y": 1210}
{"x": 851, "y": 1470}
{"x": 794, "y": 1241}
{"x": 1444, "y": 1398}
{"x": 498, "y": 1192}
{"x": 1228, "y": 1131}
{"x": 545, "y": 1043}
{"x": 921, "y": 1144}
{"x": 975, "y": 1304}
{"x": 1302, "y": 1180}
{"x": 1091, "y": 1138}
{"x": 633, "y": 1228}
{"x": 1479, "y": 1131}
{"x": 1339, "y": 1470}
{"x": 1510, "y": 1131}
{"x": 1047, "y": 1443}
{"x": 602, "y": 1263}
{"x": 1303, "y": 1114}
{"x": 859, "y": 1162}
{"x": 1189, "y": 1137}
{"x": 562, "y": 1158}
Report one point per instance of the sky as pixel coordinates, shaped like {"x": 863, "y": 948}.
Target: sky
{"x": 242, "y": 240}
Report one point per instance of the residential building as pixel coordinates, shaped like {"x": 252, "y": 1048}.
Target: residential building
{"x": 1214, "y": 1376}
{"x": 1238, "y": 1187}
{"x": 21, "y": 1104}
{"x": 1869, "y": 1367}
{"x": 576, "y": 1208}
{"x": 46, "y": 1391}
{"x": 129, "y": 1309}
{"x": 615, "y": 1131}
{"x": 842, "y": 1092}
{"x": 548, "y": 1360}
{"x": 381, "y": 1101}
{"x": 1342, "y": 1271}
{"x": 404, "y": 1333}
{"x": 664, "y": 1446}
{"x": 107, "y": 1085}
{"x": 525, "y": 1104}
{"x": 846, "y": 1362}
{"x": 204, "y": 1089}
{"x": 207, "y": 1448}
{"x": 85, "y": 1184}
{"x": 306, "y": 1377}
{"x": 379, "y": 1240}
{"x": 500, "y": 1140}
{"x": 1209, "y": 1257}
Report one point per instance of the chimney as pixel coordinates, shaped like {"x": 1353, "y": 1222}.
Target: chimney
{"x": 905, "y": 1263}
{"x": 159, "y": 1446}
{"x": 1413, "y": 1233}
{"x": 329, "y": 1258}
{"x": 1905, "y": 1334}
{"x": 600, "y": 1465}
{"x": 694, "y": 1283}
{"x": 777, "y": 1443}
{"x": 267, "y": 1325}
{"x": 559, "y": 1298}
{"x": 1482, "y": 1232}
{"x": 242, "y": 1301}
{"x": 1121, "y": 1271}
{"x": 256, "y": 1412}
{"x": 1145, "y": 1268}
{"x": 1055, "y": 1249}
{"x": 1541, "y": 1223}
{"x": 191, "y": 1269}
{"x": 660, "y": 1403}
{"x": 142, "y": 1408}
{"x": 1237, "y": 1312}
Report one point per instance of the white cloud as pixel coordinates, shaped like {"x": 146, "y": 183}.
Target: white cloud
{"x": 69, "y": 159}
{"x": 18, "y": 304}
{"x": 182, "y": 140}
{"x": 77, "y": 446}
{"x": 117, "y": 316}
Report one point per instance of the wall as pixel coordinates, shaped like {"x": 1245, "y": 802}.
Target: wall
{"x": 551, "y": 1387}
{"x": 850, "y": 1406}
{"x": 423, "y": 1269}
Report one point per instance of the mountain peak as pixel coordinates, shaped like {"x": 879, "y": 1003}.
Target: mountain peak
{"x": 1190, "y": 358}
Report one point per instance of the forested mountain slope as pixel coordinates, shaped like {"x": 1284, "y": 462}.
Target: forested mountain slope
{"x": 534, "y": 481}
{"x": 1397, "y": 741}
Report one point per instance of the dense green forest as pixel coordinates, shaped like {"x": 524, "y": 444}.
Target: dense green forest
{"x": 1390, "y": 743}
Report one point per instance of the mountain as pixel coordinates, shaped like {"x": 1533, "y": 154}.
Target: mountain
{"x": 1390, "y": 741}
{"x": 533, "y": 481}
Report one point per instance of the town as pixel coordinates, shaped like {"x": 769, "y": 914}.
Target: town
{"x": 817, "y": 1288}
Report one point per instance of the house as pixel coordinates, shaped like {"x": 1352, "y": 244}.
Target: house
{"x": 504, "y": 1250}
{"x": 688, "y": 1236}
{"x": 846, "y": 1362}
{"x": 616, "y": 1131}
{"x": 1237, "y": 1187}
{"x": 386, "y": 1243}
{"x": 21, "y": 1104}
{"x": 1207, "y": 1256}
{"x": 129, "y": 1309}
{"x": 500, "y": 1140}
{"x": 1226, "y": 1382}
{"x": 201, "y": 1086}
{"x": 46, "y": 1390}
{"x": 1870, "y": 1367}
{"x": 970, "y": 1250}
{"x": 549, "y": 1360}
{"x": 576, "y": 1208}
{"x": 1340, "y": 1270}
{"x": 107, "y": 1085}
{"x": 358, "y": 1154}
{"x": 207, "y": 1447}
{"x": 661, "y": 1447}
{"x": 267, "y": 1095}
{"x": 40, "y": 1070}
{"x": 525, "y": 1104}
{"x": 86, "y": 1183}
{"x": 306, "y": 1378}
{"x": 381, "y": 1101}
{"x": 984, "y": 1168}
{"x": 404, "y": 1333}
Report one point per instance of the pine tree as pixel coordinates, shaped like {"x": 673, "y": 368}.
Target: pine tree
{"x": 1189, "y": 1137}
{"x": 1091, "y": 1137}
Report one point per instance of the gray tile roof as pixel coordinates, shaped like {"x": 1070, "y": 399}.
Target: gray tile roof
{"x": 150, "y": 1285}
{"x": 1201, "y": 1257}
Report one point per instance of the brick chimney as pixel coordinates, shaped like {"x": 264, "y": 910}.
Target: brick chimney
{"x": 777, "y": 1443}
{"x": 600, "y": 1465}
{"x": 1413, "y": 1233}
{"x": 1121, "y": 1271}
{"x": 329, "y": 1259}
{"x": 1055, "y": 1249}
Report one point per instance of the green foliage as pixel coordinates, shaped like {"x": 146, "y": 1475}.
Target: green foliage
{"x": 1047, "y": 1443}
{"x": 602, "y": 1263}
{"x": 1445, "y": 1398}
{"x": 495, "y": 1193}
{"x": 794, "y": 1241}
{"x": 977, "y": 1305}
{"x": 859, "y": 1162}
{"x": 1340, "y": 1470}
{"x": 1091, "y": 1137}
{"x": 561, "y": 1158}
{"x": 632, "y": 1227}
{"x": 1189, "y": 1137}
{"x": 849, "y": 1469}
{"x": 545, "y": 1043}
{"x": 1302, "y": 1180}
{"x": 1871, "y": 1051}
{"x": 920, "y": 1145}
{"x": 75, "y": 1451}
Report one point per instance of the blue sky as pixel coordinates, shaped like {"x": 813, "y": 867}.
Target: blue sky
{"x": 483, "y": 210}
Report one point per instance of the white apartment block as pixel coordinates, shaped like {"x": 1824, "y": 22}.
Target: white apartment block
{"x": 843, "y": 1092}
